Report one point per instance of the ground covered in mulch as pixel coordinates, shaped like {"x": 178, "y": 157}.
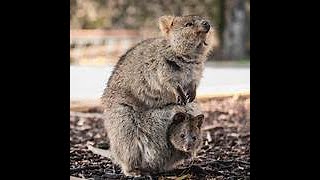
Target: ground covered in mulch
{"x": 225, "y": 153}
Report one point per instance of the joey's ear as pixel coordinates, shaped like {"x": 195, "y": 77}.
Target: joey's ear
{"x": 178, "y": 118}
{"x": 198, "y": 120}
{"x": 165, "y": 24}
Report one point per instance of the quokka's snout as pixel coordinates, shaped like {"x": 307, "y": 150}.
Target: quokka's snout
{"x": 205, "y": 26}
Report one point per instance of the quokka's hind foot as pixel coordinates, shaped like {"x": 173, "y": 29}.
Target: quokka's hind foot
{"x": 132, "y": 172}
{"x": 137, "y": 172}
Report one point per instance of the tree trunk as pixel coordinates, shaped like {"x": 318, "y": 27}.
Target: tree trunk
{"x": 234, "y": 33}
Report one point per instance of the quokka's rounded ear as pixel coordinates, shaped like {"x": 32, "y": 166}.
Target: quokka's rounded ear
{"x": 199, "y": 120}
{"x": 165, "y": 24}
{"x": 179, "y": 117}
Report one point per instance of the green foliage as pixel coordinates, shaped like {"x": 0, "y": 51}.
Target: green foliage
{"x": 134, "y": 14}
{"x": 141, "y": 14}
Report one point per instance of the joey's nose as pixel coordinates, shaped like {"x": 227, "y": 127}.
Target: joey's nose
{"x": 188, "y": 147}
{"x": 206, "y": 26}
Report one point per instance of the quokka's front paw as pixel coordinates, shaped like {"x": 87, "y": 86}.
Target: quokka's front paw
{"x": 181, "y": 98}
{"x": 182, "y": 101}
{"x": 191, "y": 93}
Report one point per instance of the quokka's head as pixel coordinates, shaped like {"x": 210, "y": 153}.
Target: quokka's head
{"x": 188, "y": 35}
{"x": 185, "y": 132}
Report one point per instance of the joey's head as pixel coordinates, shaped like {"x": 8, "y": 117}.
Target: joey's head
{"x": 188, "y": 35}
{"x": 185, "y": 132}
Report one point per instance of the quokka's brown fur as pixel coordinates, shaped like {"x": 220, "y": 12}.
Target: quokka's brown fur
{"x": 155, "y": 73}
{"x": 164, "y": 70}
{"x": 159, "y": 141}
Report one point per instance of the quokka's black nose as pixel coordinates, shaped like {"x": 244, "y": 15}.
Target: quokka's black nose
{"x": 206, "y": 26}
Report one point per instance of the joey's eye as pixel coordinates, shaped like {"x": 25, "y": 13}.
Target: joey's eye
{"x": 182, "y": 135}
{"x": 189, "y": 24}
{"x": 194, "y": 138}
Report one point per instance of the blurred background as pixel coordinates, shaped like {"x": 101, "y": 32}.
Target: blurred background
{"x": 102, "y": 30}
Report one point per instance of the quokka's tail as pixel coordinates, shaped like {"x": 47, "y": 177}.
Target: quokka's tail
{"x": 101, "y": 152}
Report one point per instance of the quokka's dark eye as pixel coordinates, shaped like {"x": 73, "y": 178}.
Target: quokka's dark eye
{"x": 189, "y": 24}
{"x": 182, "y": 135}
{"x": 194, "y": 138}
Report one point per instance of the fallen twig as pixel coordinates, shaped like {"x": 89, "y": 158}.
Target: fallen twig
{"x": 73, "y": 170}
{"x": 86, "y": 115}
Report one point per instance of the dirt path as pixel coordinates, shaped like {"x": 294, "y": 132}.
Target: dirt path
{"x": 225, "y": 153}
{"x": 88, "y": 82}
